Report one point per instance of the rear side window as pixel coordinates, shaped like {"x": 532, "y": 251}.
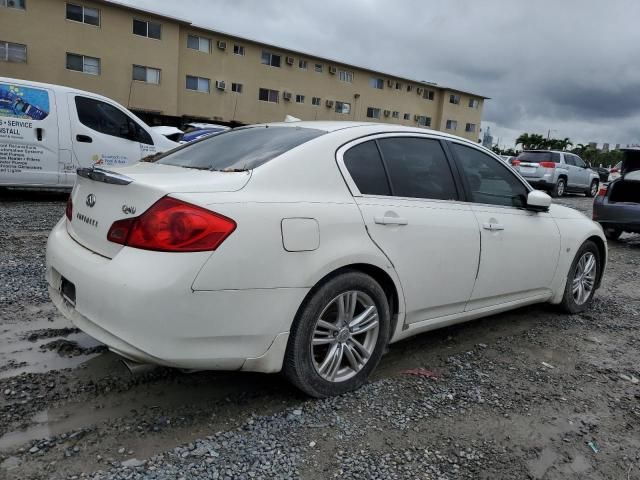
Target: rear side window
{"x": 105, "y": 118}
{"x": 365, "y": 167}
{"x": 240, "y": 149}
{"x": 569, "y": 160}
{"x": 418, "y": 168}
{"x": 489, "y": 180}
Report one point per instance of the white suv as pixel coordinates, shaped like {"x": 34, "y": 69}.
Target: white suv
{"x": 557, "y": 172}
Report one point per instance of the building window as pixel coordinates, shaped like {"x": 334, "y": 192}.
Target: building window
{"x": 146, "y": 74}
{"x": 398, "y": 86}
{"x": 315, "y": 101}
{"x": 424, "y": 121}
{"x": 407, "y": 116}
{"x": 13, "y": 52}
{"x": 198, "y": 84}
{"x": 345, "y": 76}
{"x": 270, "y": 59}
{"x": 299, "y": 98}
{"x": 428, "y": 95}
{"x": 236, "y": 87}
{"x": 376, "y": 83}
{"x": 79, "y": 13}
{"x": 302, "y": 64}
{"x": 470, "y": 127}
{"x": 318, "y": 67}
{"x": 455, "y": 99}
{"x": 452, "y": 125}
{"x": 395, "y": 114}
{"x": 474, "y": 103}
{"x": 267, "y": 95}
{"x": 82, "y": 63}
{"x": 238, "y": 49}
{"x": 409, "y": 88}
{"x": 147, "y": 29}
{"x": 202, "y": 44}
{"x": 373, "y": 112}
{"x": 343, "y": 107}
{"x": 20, "y": 4}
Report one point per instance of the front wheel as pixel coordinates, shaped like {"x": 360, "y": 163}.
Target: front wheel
{"x": 338, "y": 336}
{"x": 558, "y": 190}
{"x": 582, "y": 278}
{"x": 593, "y": 189}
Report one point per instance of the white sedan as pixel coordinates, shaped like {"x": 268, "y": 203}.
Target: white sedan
{"x": 307, "y": 247}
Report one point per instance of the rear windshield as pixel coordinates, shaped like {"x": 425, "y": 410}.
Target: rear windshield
{"x": 537, "y": 157}
{"x": 240, "y": 149}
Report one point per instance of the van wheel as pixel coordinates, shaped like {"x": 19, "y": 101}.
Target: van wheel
{"x": 559, "y": 189}
{"x": 338, "y": 336}
{"x": 593, "y": 189}
{"x": 612, "y": 233}
{"x": 581, "y": 279}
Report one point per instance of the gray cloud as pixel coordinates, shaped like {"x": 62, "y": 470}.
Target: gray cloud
{"x": 565, "y": 66}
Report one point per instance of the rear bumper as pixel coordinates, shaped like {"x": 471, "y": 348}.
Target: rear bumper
{"x": 540, "y": 183}
{"x": 141, "y": 305}
{"x": 619, "y": 215}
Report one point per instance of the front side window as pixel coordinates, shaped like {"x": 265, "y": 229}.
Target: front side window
{"x": 105, "y": 118}
{"x": 267, "y": 95}
{"x": 343, "y": 107}
{"x": 315, "y": 101}
{"x": 238, "y": 49}
{"x": 82, "y": 63}
{"x": 146, "y": 74}
{"x": 13, "y": 52}
{"x": 373, "y": 112}
{"x": 79, "y": 13}
{"x": 19, "y": 4}
{"x": 147, "y": 29}
{"x": 578, "y": 161}
{"x": 270, "y": 59}
{"x": 452, "y": 124}
{"x": 455, "y": 99}
{"x": 365, "y": 167}
{"x": 376, "y": 83}
{"x": 202, "y": 44}
{"x": 199, "y": 84}
{"x": 241, "y": 148}
{"x": 489, "y": 181}
{"x": 418, "y": 168}
{"x": 345, "y": 76}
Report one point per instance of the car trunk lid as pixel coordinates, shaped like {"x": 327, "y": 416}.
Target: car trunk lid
{"x": 534, "y": 164}
{"x": 100, "y": 197}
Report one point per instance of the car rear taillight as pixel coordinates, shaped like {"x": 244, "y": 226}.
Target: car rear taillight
{"x": 171, "y": 225}
{"x": 547, "y": 164}
{"x": 603, "y": 191}
{"x": 68, "y": 211}
{"x": 515, "y": 163}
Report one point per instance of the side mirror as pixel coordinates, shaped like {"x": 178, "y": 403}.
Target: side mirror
{"x": 538, "y": 201}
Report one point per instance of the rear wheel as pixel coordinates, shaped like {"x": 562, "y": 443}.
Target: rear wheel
{"x": 593, "y": 189}
{"x": 338, "y": 336}
{"x": 612, "y": 233}
{"x": 559, "y": 189}
{"x": 582, "y": 278}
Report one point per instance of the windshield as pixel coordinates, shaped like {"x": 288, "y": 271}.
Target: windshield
{"x": 537, "y": 157}
{"x": 241, "y": 149}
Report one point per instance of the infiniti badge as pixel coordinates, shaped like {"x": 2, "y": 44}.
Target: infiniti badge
{"x": 91, "y": 200}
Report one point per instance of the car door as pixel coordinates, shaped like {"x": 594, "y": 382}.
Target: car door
{"x": 583, "y": 174}
{"x": 410, "y": 204}
{"x": 519, "y": 248}
{"x": 29, "y": 141}
{"x": 103, "y": 134}
{"x": 573, "y": 176}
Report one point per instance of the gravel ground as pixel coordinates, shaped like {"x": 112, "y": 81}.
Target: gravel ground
{"x": 527, "y": 394}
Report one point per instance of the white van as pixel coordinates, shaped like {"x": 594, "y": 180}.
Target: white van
{"x": 48, "y": 131}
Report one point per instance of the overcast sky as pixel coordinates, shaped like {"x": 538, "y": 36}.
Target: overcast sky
{"x": 569, "y": 66}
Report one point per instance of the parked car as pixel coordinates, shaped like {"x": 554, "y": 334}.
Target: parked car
{"x": 48, "y": 131}
{"x": 617, "y": 206}
{"x": 198, "y": 133}
{"x": 307, "y": 247}
{"x": 507, "y": 158}
{"x": 172, "y": 133}
{"x": 614, "y": 173}
{"x": 557, "y": 172}
{"x": 602, "y": 172}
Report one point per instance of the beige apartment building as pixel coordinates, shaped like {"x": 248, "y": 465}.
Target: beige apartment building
{"x": 169, "y": 71}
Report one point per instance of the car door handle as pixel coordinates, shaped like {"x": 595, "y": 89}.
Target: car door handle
{"x": 493, "y": 227}
{"x": 387, "y": 220}
{"x": 84, "y": 138}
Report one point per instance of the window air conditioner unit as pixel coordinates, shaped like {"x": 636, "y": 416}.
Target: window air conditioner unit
{"x": 220, "y": 85}
{"x": 419, "y": 90}
{"x": 387, "y": 113}
{"x": 329, "y": 103}
{"x": 333, "y": 70}
{"x": 286, "y": 95}
{"x": 222, "y": 45}
{"x": 289, "y": 60}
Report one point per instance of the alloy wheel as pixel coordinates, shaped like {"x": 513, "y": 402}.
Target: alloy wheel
{"x": 584, "y": 278}
{"x": 560, "y": 188}
{"x": 345, "y": 336}
{"x": 594, "y": 189}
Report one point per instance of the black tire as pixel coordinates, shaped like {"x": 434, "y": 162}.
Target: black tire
{"x": 298, "y": 364}
{"x": 559, "y": 189}
{"x": 568, "y": 303}
{"x": 593, "y": 189}
{"x": 612, "y": 233}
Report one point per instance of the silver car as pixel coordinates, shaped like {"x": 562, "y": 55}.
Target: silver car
{"x": 557, "y": 172}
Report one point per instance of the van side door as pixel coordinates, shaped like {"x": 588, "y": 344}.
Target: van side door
{"x": 104, "y": 134}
